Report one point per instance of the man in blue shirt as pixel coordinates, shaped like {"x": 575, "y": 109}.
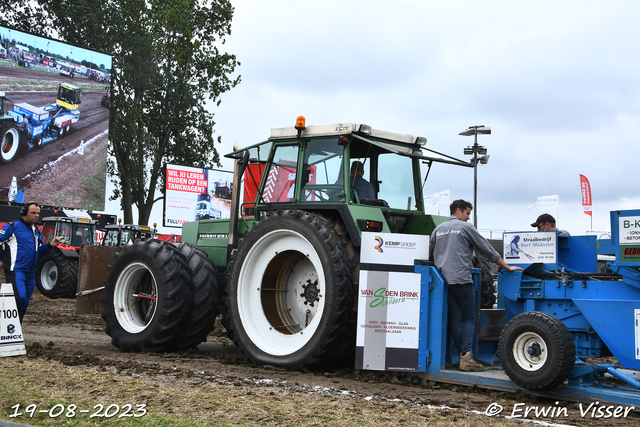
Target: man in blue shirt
{"x": 363, "y": 188}
{"x": 22, "y": 247}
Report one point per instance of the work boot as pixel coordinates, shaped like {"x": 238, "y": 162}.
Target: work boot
{"x": 467, "y": 363}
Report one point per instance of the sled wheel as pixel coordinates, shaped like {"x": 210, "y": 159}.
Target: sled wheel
{"x": 147, "y": 297}
{"x": 536, "y": 350}
{"x": 205, "y": 299}
{"x": 290, "y": 293}
{"x": 57, "y": 275}
{"x": 66, "y": 129}
{"x": 10, "y": 143}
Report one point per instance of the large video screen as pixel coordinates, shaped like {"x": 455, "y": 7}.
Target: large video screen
{"x": 192, "y": 194}
{"x": 55, "y": 121}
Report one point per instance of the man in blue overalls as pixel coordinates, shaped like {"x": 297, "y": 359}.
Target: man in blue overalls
{"x": 22, "y": 247}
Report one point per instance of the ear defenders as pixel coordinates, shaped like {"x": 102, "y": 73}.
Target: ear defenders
{"x": 24, "y": 209}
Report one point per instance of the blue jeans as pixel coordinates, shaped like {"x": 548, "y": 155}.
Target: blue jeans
{"x": 462, "y": 315}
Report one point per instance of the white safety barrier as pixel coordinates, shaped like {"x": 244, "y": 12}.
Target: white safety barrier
{"x": 11, "y": 339}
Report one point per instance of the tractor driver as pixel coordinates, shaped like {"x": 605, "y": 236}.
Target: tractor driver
{"x": 363, "y": 188}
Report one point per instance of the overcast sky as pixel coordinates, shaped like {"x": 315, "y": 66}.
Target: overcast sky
{"x": 557, "y": 82}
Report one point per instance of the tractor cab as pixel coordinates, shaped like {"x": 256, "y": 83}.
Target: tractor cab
{"x": 72, "y": 232}
{"x": 2, "y": 99}
{"x": 120, "y": 235}
{"x": 372, "y": 178}
{"x": 69, "y": 96}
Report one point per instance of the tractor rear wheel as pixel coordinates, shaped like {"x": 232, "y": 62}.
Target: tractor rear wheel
{"x": 57, "y": 275}
{"x": 291, "y": 293}
{"x": 148, "y": 297}
{"x": 536, "y": 350}
{"x": 205, "y": 300}
{"x": 10, "y": 143}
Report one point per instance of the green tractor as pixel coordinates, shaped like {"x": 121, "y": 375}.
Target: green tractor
{"x": 283, "y": 270}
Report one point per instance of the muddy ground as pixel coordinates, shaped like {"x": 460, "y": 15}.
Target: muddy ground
{"x": 58, "y": 174}
{"x": 58, "y": 340}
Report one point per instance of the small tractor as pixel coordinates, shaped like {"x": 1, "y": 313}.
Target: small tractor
{"x": 222, "y": 190}
{"x": 42, "y": 125}
{"x": 124, "y": 234}
{"x": 57, "y": 272}
{"x": 106, "y": 98}
{"x": 67, "y": 71}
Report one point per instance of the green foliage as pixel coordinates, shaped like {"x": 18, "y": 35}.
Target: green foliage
{"x": 167, "y": 65}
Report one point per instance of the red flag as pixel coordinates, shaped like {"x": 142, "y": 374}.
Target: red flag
{"x": 585, "y": 188}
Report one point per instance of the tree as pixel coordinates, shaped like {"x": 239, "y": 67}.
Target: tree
{"x": 167, "y": 64}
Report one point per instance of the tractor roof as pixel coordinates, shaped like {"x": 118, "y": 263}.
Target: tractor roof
{"x": 69, "y": 86}
{"x": 69, "y": 219}
{"x": 128, "y": 227}
{"x": 397, "y": 143}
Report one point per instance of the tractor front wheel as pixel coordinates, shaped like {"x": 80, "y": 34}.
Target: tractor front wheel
{"x": 57, "y": 275}
{"x": 536, "y": 350}
{"x": 290, "y": 294}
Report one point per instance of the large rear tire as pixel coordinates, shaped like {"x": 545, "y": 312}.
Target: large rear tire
{"x": 290, "y": 295}
{"x": 10, "y": 143}
{"x": 57, "y": 275}
{"x": 536, "y": 350}
{"x": 148, "y": 297}
{"x": 205, "y": 300}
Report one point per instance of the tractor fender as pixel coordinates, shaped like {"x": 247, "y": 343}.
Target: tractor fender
{"x": 70, "y": 253}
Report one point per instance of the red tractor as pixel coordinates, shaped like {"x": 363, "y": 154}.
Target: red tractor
{"x": 57, "y": 272}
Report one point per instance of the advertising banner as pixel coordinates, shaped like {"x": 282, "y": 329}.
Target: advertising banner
{"x": 192, "y": 194}
{"x": 629, "y": 232}
{"x": 585, "y": 189}
{"x": 54, "y": 123}
{"x": 393, "y": 249}
{"x": 389, "y": 301}
{"x": 530, "y": 247}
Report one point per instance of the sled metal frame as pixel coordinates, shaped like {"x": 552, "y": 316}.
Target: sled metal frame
{"x": 586, "y": 383}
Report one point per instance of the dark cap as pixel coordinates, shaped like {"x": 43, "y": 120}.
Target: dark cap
{"x": 543, "y": 218}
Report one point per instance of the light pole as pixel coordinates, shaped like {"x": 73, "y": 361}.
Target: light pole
{"x": 475, "y": 150}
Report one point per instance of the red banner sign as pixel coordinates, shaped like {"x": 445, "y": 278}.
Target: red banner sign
{"x": 585, "y": 188}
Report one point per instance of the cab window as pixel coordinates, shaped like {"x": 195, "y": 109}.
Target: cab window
{"x": 281, "y": 176}
{"x": 323, "y": 171}
{"x": 396, "y": 181}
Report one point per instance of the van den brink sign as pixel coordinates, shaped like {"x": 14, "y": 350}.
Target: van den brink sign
{"x": 389, "y": 301}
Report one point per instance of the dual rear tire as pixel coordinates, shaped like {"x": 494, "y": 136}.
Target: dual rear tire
{"x": 159, "y": 297}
